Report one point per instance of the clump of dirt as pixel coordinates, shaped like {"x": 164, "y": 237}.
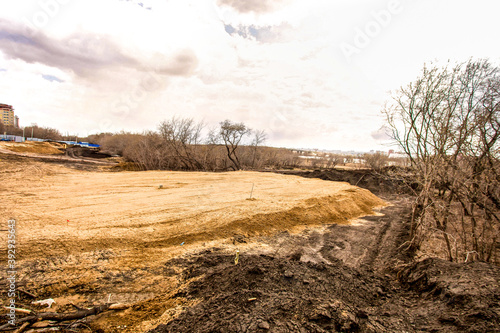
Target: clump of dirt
{"x": 126, "y": 166}
{"x": 77, "y": 151}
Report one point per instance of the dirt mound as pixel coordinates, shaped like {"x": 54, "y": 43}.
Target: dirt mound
{"x": 285, "y": 294}
{"x": 50, "y": 148}
{"x": 77, "y": 151}
{"x": 336, "y": 209}
{"x": 130, "y": 210}
{"x": 277, "y": 294}
{"x": 468, "y": 294}
{"x": 378, "y": 183}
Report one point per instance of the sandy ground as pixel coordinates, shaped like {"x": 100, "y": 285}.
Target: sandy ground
{"x": 90, "y": 237}
{"x": 59, "y": 208}
{"x": 32, "y": 147}
{"x": 48, "y": 152}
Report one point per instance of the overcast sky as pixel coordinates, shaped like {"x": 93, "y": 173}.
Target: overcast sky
{"x": 311, "y": 73}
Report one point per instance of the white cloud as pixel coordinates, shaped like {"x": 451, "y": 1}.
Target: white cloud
{"x": 253, "y": 6}
{"x": 282, "y": 69}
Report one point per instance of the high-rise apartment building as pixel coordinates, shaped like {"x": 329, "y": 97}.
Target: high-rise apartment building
{"x": 7, "y": 116}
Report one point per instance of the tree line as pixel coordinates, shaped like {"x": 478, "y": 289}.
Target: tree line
{"x": 34, "y": 131}
{"x": 184, "y": 144}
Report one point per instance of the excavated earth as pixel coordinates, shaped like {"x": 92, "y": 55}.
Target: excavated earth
{"x": 302, "y": 266}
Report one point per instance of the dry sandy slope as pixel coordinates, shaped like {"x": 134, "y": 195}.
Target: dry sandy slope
{"x": 32, "y": 147}
{"x": 77, "y": 210}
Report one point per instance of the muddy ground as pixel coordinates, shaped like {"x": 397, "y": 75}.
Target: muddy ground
{"x": 324, "y": 277}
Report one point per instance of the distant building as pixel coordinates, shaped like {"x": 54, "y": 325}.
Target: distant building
{"x": 7, "y": 116}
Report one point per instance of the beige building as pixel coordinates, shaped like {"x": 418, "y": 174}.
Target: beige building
{"x": 7, "y": 116}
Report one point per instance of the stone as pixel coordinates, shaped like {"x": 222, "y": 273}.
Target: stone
{"x": 264, "y": 325}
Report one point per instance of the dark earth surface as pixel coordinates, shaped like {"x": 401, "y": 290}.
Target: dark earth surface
{"x": 349, "y": 278}
{"x": 381, "y": 183}
{"x": 264, "y": 293}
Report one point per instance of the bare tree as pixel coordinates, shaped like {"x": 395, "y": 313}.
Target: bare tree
{"x": 334, "y": 160}
{"x": 259, "y": 138}
{"x": 447, "y": 123}
{"x": 182, "y": 137}
{"x": 232, "y": 134}
{"x": 376, "y": 161}
{"x": 116, "y": 144}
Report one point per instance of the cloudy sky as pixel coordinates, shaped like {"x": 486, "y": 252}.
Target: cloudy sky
{"x": 311, "y": 73}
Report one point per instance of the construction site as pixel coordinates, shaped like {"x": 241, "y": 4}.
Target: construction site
{"x": 99, "y": 249}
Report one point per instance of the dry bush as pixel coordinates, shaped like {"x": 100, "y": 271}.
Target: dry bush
{"x": 182, "y": 138}
{"x": 334, "y": 160}
{"x": 147, "y": 151}
{"x": 34, "y": 131}
{"x": 11, "y": 130}
{"x": 98, "y": 138}
{"x": 448, "y": 124}
{"x": 179, "y": 144}
{"x": 115, "y": 144}
{"x": 376, "y": 161}
{"x": 279, "y": 158}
